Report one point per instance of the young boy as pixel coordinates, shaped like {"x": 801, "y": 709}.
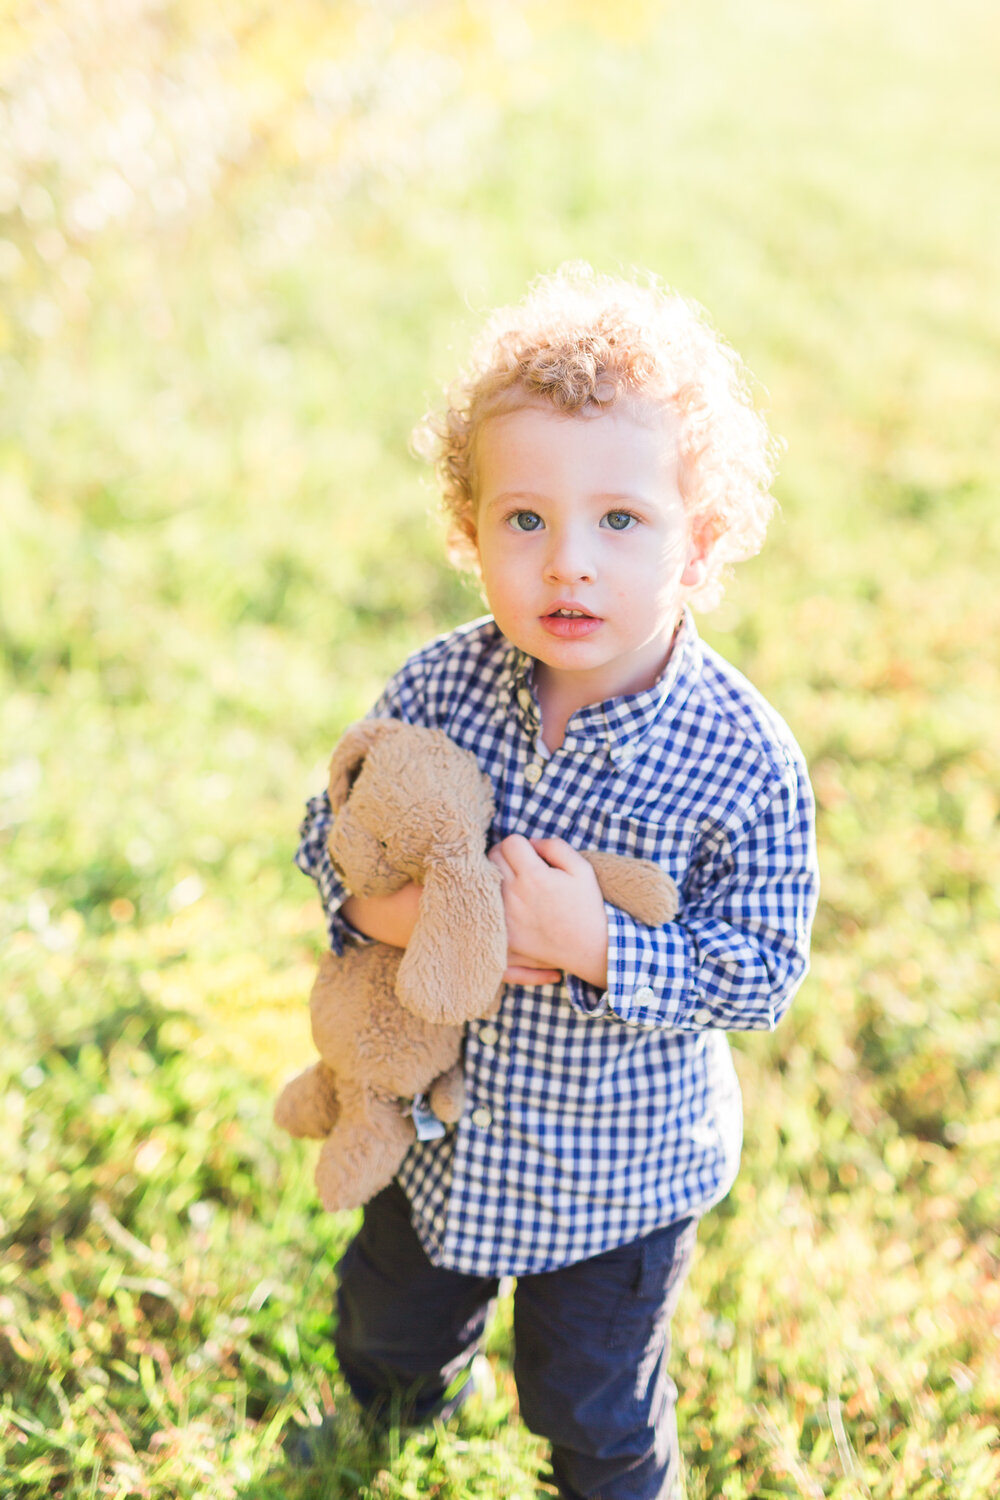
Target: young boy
{"x": 602, "y": 463}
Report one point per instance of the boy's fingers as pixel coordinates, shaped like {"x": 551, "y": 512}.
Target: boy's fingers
{"x": 522, "y": 974}
{"x": 495, "y": 857}
{"x": 558, "y": 854}
{"x": 518, "y": 853}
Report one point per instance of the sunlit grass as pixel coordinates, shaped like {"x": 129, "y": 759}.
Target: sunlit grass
{"x": 215, "y": 545}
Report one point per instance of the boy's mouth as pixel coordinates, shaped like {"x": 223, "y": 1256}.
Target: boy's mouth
{"x": 569, "y": 621}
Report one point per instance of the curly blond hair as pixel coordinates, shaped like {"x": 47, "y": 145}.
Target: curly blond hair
{"x": 587, "y": 342}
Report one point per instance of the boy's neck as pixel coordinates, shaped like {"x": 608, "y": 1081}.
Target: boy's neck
{"x": 556, "y": 709}
{"x": 562, "y": 694}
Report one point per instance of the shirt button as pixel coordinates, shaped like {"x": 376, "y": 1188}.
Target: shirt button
{"x": 702, "y": 1016}
{"x": 533, "y": 773}
{"x": 489, "y": 1036}
{"x": 644, "y": 995}
{"x": 482, "y": 1117}
{"x": 525, "y": 699}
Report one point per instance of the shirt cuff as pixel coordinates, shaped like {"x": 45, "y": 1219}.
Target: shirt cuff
{"x": 341, "y": 931}
{"x": 647, "y": 973}
{"x": 586, "y": 999}
{"x": 652, "y": 979}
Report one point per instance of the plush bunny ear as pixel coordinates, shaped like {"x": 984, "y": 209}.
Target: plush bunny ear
{"x": 454, "y": 964}
{"x": 350, "y": 753}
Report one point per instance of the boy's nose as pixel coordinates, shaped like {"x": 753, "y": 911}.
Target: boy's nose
{"x": 568, "y": 560}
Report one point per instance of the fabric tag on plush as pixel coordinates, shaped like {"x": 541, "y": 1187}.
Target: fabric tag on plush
{"x": 429, "y": 1127}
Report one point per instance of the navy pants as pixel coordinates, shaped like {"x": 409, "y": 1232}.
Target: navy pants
{"x": 591, "y": 1344}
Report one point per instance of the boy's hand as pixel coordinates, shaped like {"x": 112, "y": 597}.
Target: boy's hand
{"x": 555, "y": 912}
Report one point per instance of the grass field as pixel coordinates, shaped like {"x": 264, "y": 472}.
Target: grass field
{"x": 238, "y": 256}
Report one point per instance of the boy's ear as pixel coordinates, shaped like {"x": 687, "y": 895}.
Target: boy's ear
{"x": 698, "y": 555}
{"x": 695, "y": 571}
{"x": 471, "y": 533}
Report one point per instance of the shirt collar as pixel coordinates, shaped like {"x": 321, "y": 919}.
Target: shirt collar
{"x": 618, "y": 724}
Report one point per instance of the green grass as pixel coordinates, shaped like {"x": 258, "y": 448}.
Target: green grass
{"x": 215, "y": 546}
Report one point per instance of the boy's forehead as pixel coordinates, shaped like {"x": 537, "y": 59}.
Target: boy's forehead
{"x": 644, "y": 410}
{"x": 624, "y": 448}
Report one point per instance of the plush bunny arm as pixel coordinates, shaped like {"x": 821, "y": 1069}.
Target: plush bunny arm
{"x": 447, "y": 1095}
{"x": 637, "y": 886}
{"x": 308, "y": 1105}
{"x": 453, "y": 967}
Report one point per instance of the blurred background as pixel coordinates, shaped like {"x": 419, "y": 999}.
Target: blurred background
{"x": 242, "y": 247}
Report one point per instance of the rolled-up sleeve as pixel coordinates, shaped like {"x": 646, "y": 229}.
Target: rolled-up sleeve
{"x": 313, "y": 859}
{"x": 401, "y": 699}
{"x": 738, "y": 949}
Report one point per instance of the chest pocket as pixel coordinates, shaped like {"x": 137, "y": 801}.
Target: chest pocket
{"x": 684, "y": 847}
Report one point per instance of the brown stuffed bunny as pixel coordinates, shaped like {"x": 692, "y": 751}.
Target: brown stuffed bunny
{"x": 409, "y": 805}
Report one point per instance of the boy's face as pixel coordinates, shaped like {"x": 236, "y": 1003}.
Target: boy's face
{"x": 584, "y": 544}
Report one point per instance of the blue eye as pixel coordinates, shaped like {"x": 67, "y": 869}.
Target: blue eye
{"x": 619, "y": 520}
{"x": 526, "y": 520}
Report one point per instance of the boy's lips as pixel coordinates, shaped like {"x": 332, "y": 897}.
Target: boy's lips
{"x": 569, "y": 621}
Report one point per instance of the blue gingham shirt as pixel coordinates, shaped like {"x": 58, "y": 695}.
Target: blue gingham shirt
{"x": 592, "y": 1119}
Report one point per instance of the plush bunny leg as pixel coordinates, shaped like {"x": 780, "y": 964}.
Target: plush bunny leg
{"x": 637, "y": 886}
{"x": 308, "y": 1104}
{"x": 447, "y": 1095}
{"x": 363, "y": 1151}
